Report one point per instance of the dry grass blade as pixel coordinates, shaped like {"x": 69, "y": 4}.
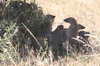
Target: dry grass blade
{"x": 95, "y": 37}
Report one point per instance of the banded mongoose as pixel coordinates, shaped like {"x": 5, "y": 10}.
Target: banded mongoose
{"x": 46, "y": 27}
{"x": 72, "y": 30}
{"x": 57, "y": 40}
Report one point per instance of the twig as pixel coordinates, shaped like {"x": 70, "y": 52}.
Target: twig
{"x": 32, "y": 35}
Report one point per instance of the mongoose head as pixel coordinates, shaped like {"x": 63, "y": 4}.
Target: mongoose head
{"x": 59, "y": 28}
{"x": 49, "y": 17}
{"x": 80, "y": 26}
{"x": 70, "y": 20}
{"x": 83, "y": 34}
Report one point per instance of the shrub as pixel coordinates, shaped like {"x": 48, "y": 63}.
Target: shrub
{"x": 12, "y": 32}
{"x": 29, "y": 14}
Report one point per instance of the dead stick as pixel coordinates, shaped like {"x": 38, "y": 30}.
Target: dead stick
{"x": 32, "y": 35}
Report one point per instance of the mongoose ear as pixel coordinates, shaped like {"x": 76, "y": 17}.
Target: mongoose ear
{"x": 80, "y": 26}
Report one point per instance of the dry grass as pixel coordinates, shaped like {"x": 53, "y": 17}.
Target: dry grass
{"x": 87, "y": 13}
{"x": 78, "y": 60}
